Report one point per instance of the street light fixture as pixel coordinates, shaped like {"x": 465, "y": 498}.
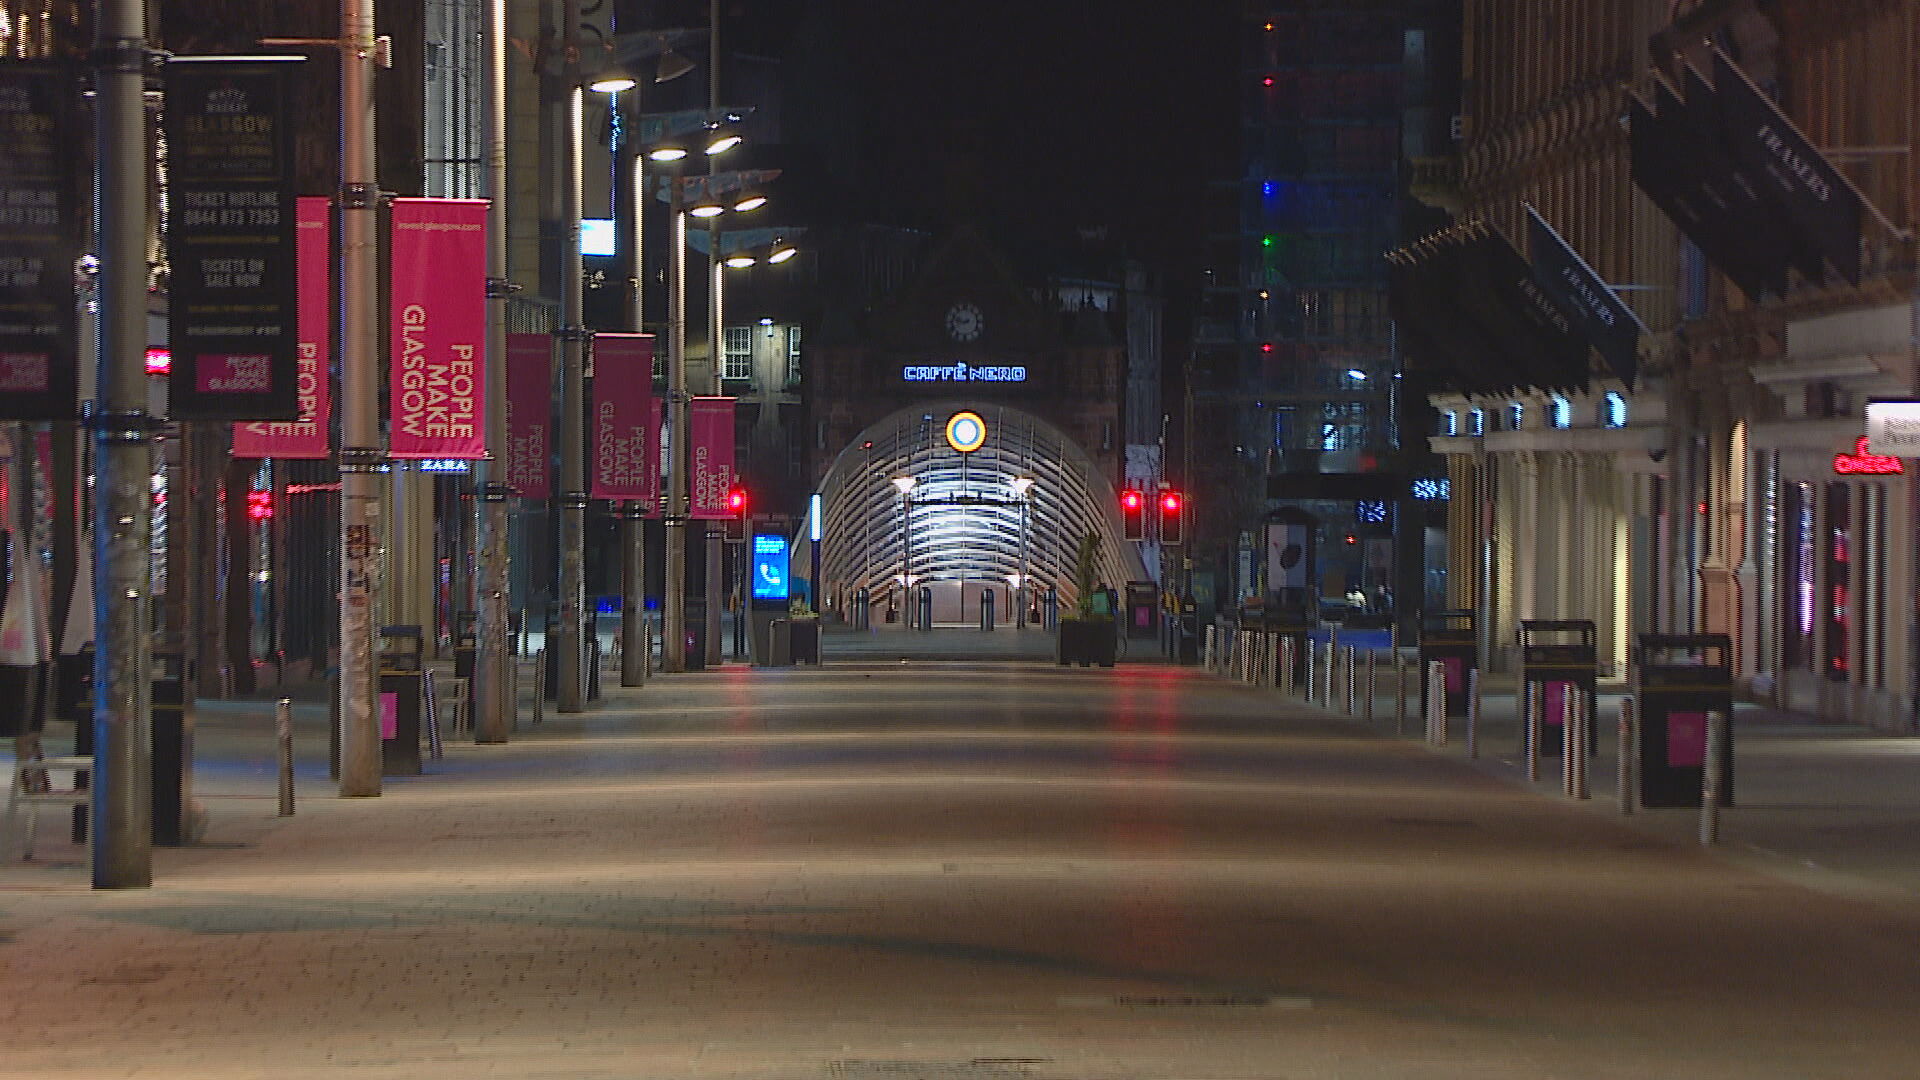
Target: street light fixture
{"x": 905, "y": 485}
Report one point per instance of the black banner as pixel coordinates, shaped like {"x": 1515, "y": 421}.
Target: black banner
{"x": 1823, "y": 206}
{"x": 1609, "y": 325}
{"x": 230, "y": 242}
{"x": 1497, "y": 286}
{"x": 40, "y": 242}
{"x": 1433, "y": 329}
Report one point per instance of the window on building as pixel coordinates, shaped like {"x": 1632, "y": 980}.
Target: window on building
{"x": 1561, "y": 414}
{"x": 793, "y": 354}
{"x": 1693, "y": 281}
{"x": 739, "y": 353}
{"x": 1450, "y": 423}
{"x": 1614, "y": 410}
{"x": 1477, "y": 422}
{"x": 1516, "y": 416}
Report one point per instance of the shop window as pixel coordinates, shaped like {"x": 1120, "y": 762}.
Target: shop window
{"x": 1838, "y": 613}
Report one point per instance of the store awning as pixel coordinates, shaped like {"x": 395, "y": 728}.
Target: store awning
{"x": 1607, "y": 323}
{"x": 1747, "y": 188}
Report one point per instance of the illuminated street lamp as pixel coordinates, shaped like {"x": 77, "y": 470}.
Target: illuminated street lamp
{"x": 905, "y": 485}
{"x": 1022, "y": 486}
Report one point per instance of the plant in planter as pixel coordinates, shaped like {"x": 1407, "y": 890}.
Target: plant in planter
{"x": 1087, "y": 636}
{"x": 803, "y": 626}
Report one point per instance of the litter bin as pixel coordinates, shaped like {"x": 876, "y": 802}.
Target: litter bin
{"x": 1680, "y": 679}
{"x": 174, "y": 817}
{"x": 804, "y": 635}
{"x": 402, "y": 652}
{"x": 780, "y": 643}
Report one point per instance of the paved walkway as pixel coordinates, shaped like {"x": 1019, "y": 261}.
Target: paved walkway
{"x": 976, "y": 870}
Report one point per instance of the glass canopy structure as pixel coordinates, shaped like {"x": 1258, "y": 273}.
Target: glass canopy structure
{"x": 903, "y": 505}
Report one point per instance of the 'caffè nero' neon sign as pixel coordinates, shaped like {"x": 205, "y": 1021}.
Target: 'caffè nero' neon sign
{"x": 962, "y": 372}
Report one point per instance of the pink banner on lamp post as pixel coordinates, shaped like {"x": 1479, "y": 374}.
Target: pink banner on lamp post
{"x": 710, "y": 473}
{"x": 529, "y": 414}
{"x": 439, "y": 328}
{"x": 313, "y": 259}
{"x": 626, "y": 426}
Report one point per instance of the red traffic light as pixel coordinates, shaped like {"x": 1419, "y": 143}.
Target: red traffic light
{"x": 1133, "y": 508}
{"x": 1170, "y": 502}
{"x": 1173, "y": 518}
{"x": 737, "y": 501}
{"x": 259, "y": 505}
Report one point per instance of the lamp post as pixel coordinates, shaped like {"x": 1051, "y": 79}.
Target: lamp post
{"x": 1021, "y": 486}
{"x": 680, "y": 192}
{"x": 905, "y": 485}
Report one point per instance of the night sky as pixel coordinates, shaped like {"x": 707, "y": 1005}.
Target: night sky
{"x": 1030, "y": 120}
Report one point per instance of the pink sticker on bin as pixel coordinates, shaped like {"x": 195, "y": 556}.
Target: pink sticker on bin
{"x": 389, "y": 715}
{"x": 1686, "y": 740}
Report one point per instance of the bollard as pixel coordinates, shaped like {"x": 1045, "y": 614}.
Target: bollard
{"x": 1530, "y": 728}
{"x": 1713, "y": 778}
{"x": 283, "y": 732}
{"x": 1399, "y": 693}
{"x": 430, "y": 707}
{"x": 1371, "y": 686}
{"x": 1351, "y": 674}
{"x": 1312, "y": 672}
{"x": 1584, "y": 711}
{"x": 1326, "y": 676}
{"x": 646, "y": 646}
{"x": 1270, "y": 678}
{"x": 1629, "y": 760}
{"x": 1436, "y": 704}
{"x": 1473, "y": 713}
{"x": 1206, "y": 649}
{"x": 1568, "y": 751}
{"x": 1286, "y": 666}
{"x": 540, "y": 684}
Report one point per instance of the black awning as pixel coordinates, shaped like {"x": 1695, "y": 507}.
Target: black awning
{"x": 1732, "y": 172}
{"x": 1604, "y": 319}
{"x": 1497, "y": 286}
{"x": 1433, "y": 330}
{"x": 1822, "y": 204}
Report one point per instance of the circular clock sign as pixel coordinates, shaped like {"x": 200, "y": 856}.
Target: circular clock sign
{"x": 966, "y": 431}
{"x": 965, "y": 322}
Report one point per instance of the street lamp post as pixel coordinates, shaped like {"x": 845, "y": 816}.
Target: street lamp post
{"x": 679, "y": 191}
{"x": 905, "y": 485}
{"x": 570, "y": 661}
{"x": 1022, "y": 486}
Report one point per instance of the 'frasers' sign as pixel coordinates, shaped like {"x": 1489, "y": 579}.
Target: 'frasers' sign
{"x": 962, "y": 372}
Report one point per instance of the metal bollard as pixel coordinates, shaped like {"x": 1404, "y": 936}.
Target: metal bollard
{"x": 1372, "y": 685}
{"x": 1351, "y": 675}
{"x": 1530, "y": 728}
{"x": 1629, "y": 760}
{"x": 1713, "y": 778}
{"x": 1568, "y": 752}
{"x": 540, "y": 684}
{"x": 1399, "y": 693}
{"x": 1436, "y": 704}
{"x": 1283, "y": 678}
{"x": 431, "y": 708}
{"x": 1270, "y": 678}
{"x": 283, "y": 733}
{"x": 1206, "y": 648}
{"x": 1583, "y": 714}
{"x": 1312, "y": 671}
{"x": 1473, "y": 713}
{"x": 1326, "y": 679}
{"x": 646, "y": 646}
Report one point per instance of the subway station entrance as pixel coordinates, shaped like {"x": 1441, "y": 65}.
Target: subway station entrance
{"x": 950, "y": 507}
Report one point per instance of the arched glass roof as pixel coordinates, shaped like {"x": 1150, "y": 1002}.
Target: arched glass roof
{"x": 964, "y": 517}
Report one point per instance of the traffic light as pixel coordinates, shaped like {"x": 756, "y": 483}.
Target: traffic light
{"x": 736, "y": 515}
{"x": 1133, "y": 514}
{"x": 1173, "y": 517}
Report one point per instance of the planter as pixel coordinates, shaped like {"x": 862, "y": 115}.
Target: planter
{"x": 1086, "y": 642}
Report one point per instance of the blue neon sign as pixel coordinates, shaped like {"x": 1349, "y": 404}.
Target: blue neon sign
{"x": 963, "y": 372}
{"x": 770, "y": 580}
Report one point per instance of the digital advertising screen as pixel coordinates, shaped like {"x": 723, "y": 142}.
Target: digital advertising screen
{"x": 770, "y": 580}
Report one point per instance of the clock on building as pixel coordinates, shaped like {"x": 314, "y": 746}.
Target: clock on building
{"x": 964, "y": 322}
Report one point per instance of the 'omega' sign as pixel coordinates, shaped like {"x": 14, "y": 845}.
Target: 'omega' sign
{"x": 1863, "y": 463}
{"x": 961, "y": 372}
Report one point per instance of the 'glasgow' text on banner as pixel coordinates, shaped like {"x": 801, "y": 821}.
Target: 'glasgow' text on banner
{"x": 39, "y": 242}
{"x": 307, "y": 436}
{"x": 529, "y": 413}
{"x": 230, "y": 242}
{"x": 710, "y": 472}
{"x": 437, "y": 370}
{"x": 626, "y": 444}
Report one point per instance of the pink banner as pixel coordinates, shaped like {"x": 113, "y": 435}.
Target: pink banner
{"x": 307, "y": 436}
{"x": 529, "y": 413}
{"x": 626, "y": 432}
{"x": 439, "y": 328}
{"x": 710, "y": 445}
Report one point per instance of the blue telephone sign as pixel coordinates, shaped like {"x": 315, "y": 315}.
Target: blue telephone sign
{"x": 770, "y": 580}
